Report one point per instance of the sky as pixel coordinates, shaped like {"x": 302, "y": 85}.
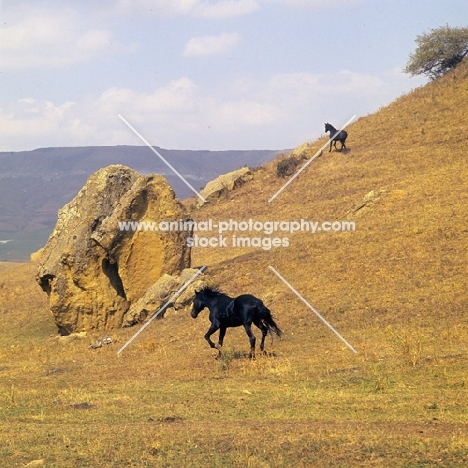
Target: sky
{"x": 203, "y": 74}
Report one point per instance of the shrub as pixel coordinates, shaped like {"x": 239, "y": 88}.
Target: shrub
{"x": 287, "y": 167}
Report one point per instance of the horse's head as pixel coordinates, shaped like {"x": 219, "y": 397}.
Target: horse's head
{"x": 198, "y": 304}
{"x": 327, "y": 127}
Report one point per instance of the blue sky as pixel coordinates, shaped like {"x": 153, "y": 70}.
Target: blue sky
{"x": 199, "y": 74}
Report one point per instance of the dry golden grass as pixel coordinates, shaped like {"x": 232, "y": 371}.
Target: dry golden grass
{"x": 7, "y": 265}
{"x": 396, "y": 289}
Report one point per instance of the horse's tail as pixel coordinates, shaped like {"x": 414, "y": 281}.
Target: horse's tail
{"x": 267, "y": 319}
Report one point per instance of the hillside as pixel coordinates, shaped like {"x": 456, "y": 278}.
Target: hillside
{"x": 395, "y": 288}
{"x": 34, "y": 185}
{"x": 411, "y": 235}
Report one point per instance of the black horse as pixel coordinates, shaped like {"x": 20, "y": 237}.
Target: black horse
{"x": 227, "y": 312}
{"x": 336, "y": 135}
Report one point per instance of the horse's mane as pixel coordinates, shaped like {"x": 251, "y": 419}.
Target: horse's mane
{"x": 210, "y": 290}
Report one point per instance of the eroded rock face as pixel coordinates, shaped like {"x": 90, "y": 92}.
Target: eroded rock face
{"x": 91, "y": 268}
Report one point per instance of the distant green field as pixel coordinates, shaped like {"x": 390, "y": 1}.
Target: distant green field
{"x": 22, "y": 245}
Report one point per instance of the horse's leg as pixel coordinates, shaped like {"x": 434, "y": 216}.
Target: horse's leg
{"x": 252, "y": 339}
{"x": 211, "y": 330}
{"x": 331, "y": 143}
{"x": 264, "y": 333}
{"x": 222, "y": 333}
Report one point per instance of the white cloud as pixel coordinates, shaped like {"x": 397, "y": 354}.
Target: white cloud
{"x": 225, "y": 8}
{"x": 309, "y": 87}
{"x": 31, "y": 120}
{"x": 282, "y": 111}
{"x": 315, "y": 4}
{"x": 199, "y": 8}
{"x": 211, "y": 45}
{"x": 177, "y": 97}
{"x": 93, "y": 41}
{"x": 29, "y": 123}
{"x": 159, "y": 7}
{"x": 244, "y": 115}
{"x": 220, "y": 9}
{"x": 40, "y": 37}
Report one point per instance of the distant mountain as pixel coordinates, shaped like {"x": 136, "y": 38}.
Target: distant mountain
{"x": 34, "y": 185}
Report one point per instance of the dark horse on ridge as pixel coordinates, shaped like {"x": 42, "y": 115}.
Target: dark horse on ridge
{"x": 227, "y": 312}
{"x": 336, "y": 135}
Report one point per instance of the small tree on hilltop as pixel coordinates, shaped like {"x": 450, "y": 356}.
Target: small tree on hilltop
{"x": 438, "y": 51}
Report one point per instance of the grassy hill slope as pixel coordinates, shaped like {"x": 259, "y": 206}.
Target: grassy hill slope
{"x": 395, "y": 288}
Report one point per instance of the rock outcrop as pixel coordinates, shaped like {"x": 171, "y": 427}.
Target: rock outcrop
{"x": 225, "y": 182}
{"x": 301, "y": 150}
{"x": 94, "y": 268}
{"x": 160, "y": 293}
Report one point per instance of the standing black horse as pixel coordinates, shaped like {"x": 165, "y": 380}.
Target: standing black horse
{"x": 336, "y": 135}
{"x": 227, "y": 312}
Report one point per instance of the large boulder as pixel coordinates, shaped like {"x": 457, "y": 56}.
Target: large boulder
{"x": 225, "y": 182}
{"x": 93, "y": 268}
